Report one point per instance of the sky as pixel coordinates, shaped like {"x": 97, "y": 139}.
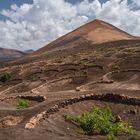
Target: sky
{"x": 31, "y": 24}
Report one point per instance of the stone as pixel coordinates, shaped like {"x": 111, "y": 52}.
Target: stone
{"x": 88, "y": 95}
{"x": 56, "y": 107}
{"x": 118, "y": 118}
{"x": 82, "y": 96}
{"x": 92, "y": 94}
{"x": 77, "y": 89}
{"x": 133, "y": 111}
{"x": 29, "y": 126}
{"x": 75, "y": 100}
{"x": 33, "y": 121}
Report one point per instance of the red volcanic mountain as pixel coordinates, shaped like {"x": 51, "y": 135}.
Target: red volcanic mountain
{"x": 96, "y": 31}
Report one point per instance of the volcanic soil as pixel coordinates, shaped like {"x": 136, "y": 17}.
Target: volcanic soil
{"x": 95, "y": 65}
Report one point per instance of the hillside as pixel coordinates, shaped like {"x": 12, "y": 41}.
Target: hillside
{"x": 10, "y": 54}
{"x": 95, "y": 65}
{"x": 96, "y": 31}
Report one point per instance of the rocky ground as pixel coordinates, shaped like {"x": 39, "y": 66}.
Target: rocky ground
{"x": 70, "y": 81}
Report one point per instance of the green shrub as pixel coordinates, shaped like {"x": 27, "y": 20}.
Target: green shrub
{"x": 100, "y": 120}
{"x": 87, "y": 63}
{"x": 115, "y": 67}
{"x": 5, "y": 76}
{"x": 21, "y": 104}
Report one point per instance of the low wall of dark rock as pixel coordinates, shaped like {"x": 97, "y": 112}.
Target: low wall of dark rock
{"x": 110, "y": 97}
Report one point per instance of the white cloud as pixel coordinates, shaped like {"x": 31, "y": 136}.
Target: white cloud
{"x": 119, "y": 13}
{"x": 136, "y": 3}
{"x": 35, "y": 25}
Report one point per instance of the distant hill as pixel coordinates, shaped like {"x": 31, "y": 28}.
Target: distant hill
{"x": 29, "y": 51}
{"x": 10, "y": 54}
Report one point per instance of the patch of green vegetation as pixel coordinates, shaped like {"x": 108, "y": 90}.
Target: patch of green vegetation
{"x": 82, "y": 62}
{"x": 101, "y": 120}
{"x": 5, "y": 76}
{"x": 83, "y": 73}
{"x": 21, "y": 104}
{"x": 33, "y": 77}
{"x": 115, "y": 67}
{"x": 89, "y": 64}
